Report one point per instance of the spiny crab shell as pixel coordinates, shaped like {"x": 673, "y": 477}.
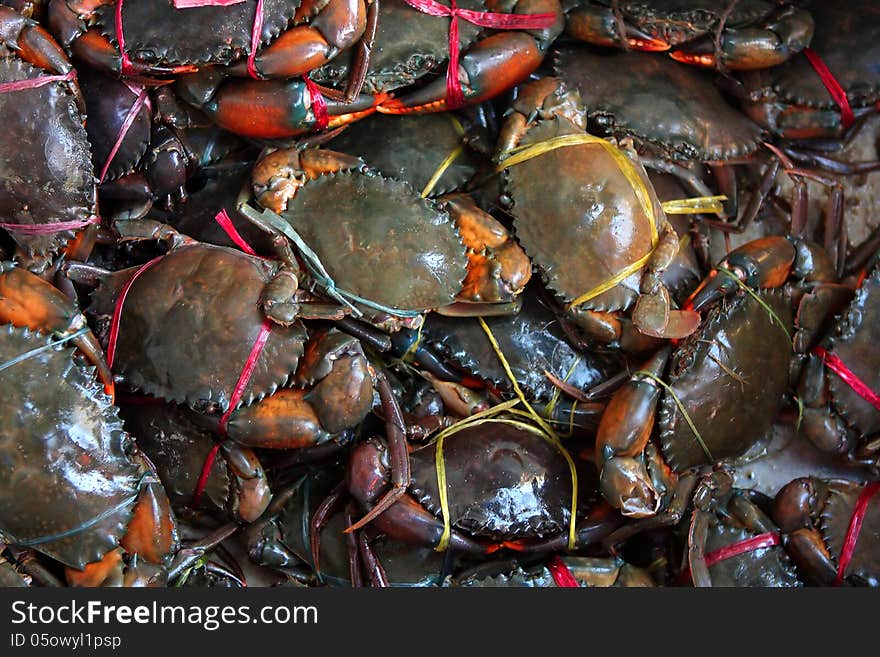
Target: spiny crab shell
{"x": 833, "y": 522}
{"x": 502, "y": 481}
{"x": 46, "y": 173}
{"x": 588, "y": 225}
{"x": 64, "y": 456}
{"x": 189, "y": 323}
{"x": 379, "y": 240}
{"x": 769, "y": 566}
{"x": 732, "y": 413}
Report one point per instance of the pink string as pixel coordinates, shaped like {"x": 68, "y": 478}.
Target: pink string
{"x": 562, "y": 574}
{"x": 126, "y": 126}
{"x": 189, "y": 4}
{"x": 848, "y": 376}
{"x": 48, "y": 229}
{"x": 256, "y": 34}
{"x": 33, "y": 83}
{"x": 498, "y": 21}
{"x": 117, "y": 310}
{"x": 854, "y": 529}
{"x": 319, "y": 105}
{"x": 226, "y": 224}
{"x": 833, "y": 86}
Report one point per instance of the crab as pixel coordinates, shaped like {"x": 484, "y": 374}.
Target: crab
{"x": 411, "y": 44}
{"x": 712, "y": 33}
{"x": 226, "y": 301}
{"x": 587, "y": 572}
{"x": 599, "y": 220}
{"x": 792, "y": 101}
{"x": 392, "y": 254}
{"x": 48, "y": 192}
{"x": 836, "y": 418}
{"x": 507, "y": 487}
{"x": 816, "y": 516}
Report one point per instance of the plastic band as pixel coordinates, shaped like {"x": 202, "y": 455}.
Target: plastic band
{"x": 256, "y": 33}
{"x": 849, "y": 378}
{"x": 48, "y": 229}
{"x": 561, "y": 574}
{"x": 833, "y": 86}
{"x": 759, "y": 542}
{"x": 440, "y": 170}
{"x": 229, "y": 228}
{"x": 319, "y": 105}
{"x": 498, "y": 21}
{"x": 695, "y": 205}
{"x": 33, "y": 83}
{"x": 125, "y": 65}
{"x": 46, "y": 347}
{"x": 190, "y": 4}
{"x": 205, "y": 473}
{"x": 117, "y": 310}
{"x": 246, "y": 372}
{"x": 854, "y": 529}
{"x": 123, "y": 130}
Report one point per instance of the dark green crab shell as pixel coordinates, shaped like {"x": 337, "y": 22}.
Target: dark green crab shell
{"x": 379, "y": 240}
{"x": 583, "y": 224}
{"x": 46, "y": 171}
{"x": 732, "y": 413}
{"x": 764, "y": 567}
{"x": 409, "y": 45}
{"x": 189, "y": 323}
{"x": 854, "y": 341}
{"x": 502, "y": 482}
{"x": 680, "y": 21}
{"x": 531, "y": 341}
{"x": 410, "y": 148}
{"x": 64, "y": 456}
{"x": 833, "y": 523}
{"x": 676, "y": 108}
{"x": 158, "y": 34}
{"x": 849, "y": 44}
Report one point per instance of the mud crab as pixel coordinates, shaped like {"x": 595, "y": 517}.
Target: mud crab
{"x": 345, "y": 212}
{"x": 604, "y": 257}
{"x": 792, "y": 101}
{"x": 567, "y": 571}
{"x": 43, "y": 108}
{"x": 714, "y": 33}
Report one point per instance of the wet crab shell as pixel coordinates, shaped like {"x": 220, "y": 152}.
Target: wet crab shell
{"x": 64, "y": 457}
{"x": 531, "y": 341}
{"x": 732, "y": 413}
{"x": 583, "y": 225}
{"x": 409, "y": 45}
{"x": 764, "y": 567}
{"x": 411, "y": 148}
{"x": 189, "y": 323}
{"x": 848, "y": 42}
{"x": 854, "y": 341}
{"x": 676, "y": 108}
{"x": 379, "y": 240}
{"x": 833, "y": 523}
{"x": 46, "y": 171}
{"x": 502, "y": 482}
{"x": 158, "y": 34}
{"x": 109, "y": 102}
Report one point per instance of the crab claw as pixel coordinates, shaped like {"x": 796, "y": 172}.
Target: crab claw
{"x": 653, "y": 316}
{"x": 764, "y": 262}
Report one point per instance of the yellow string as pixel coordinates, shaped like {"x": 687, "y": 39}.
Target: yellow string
{"x": 438, "y": 173}
{"x": 695, "y": 205}
{"x": 609, "y": 283}
{"x": 550, "y": 434}
{"x": 548, "y": 411}
{"x": 774, "y": 318}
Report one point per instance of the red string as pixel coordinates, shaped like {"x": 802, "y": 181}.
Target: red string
{"x": 319, "y": 105}
{"x": 126, "y": 126}
{"x": 247, "y": 372}
{"x": 33, "y": 83}
{"x": 855, "y": 527}
{"x": 47, "y": 229}
{"x": 189, "y": 4}
{"x": 226, "y": 224}
{"x": 498, "y": 21}
{"x": 849, "y": 378}
{"x": 561, "y": 574}
{"x": 205, "y": 473}
{"x": 765, "y": 540}
{"x": 125, "y": 65}
{"x": 256, "y": 38}
{"x": 117, "y": 310}
{"x": 833, "y": 87}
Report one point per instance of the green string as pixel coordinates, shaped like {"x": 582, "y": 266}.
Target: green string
{"x": 46, "y": 347}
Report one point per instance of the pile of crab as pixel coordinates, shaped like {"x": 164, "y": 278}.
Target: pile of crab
{"x": 432, "y": 293}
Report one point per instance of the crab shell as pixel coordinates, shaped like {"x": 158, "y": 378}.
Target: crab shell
{"x": 66, "y": 459}
{"x": 531, "y": 341}
{"x": 834, "y": 513}
{"x": 764, "y": 567}
{"x": 379, "y": 240}
{"x": 791, "y": 99}
{"x": 158, "y": 34}
{"x": 409, "y": 45}
{"x": 411, "y": 148}
{"x": 732, "y": 413}
{"x": 502, "y": 482}
{"x": 46, "y": 173}
{"x": 189, "y": 323}
{"x": 854, "y": 341}
{"x": 584, "y": 224}
{"x": 676, "y": 108}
